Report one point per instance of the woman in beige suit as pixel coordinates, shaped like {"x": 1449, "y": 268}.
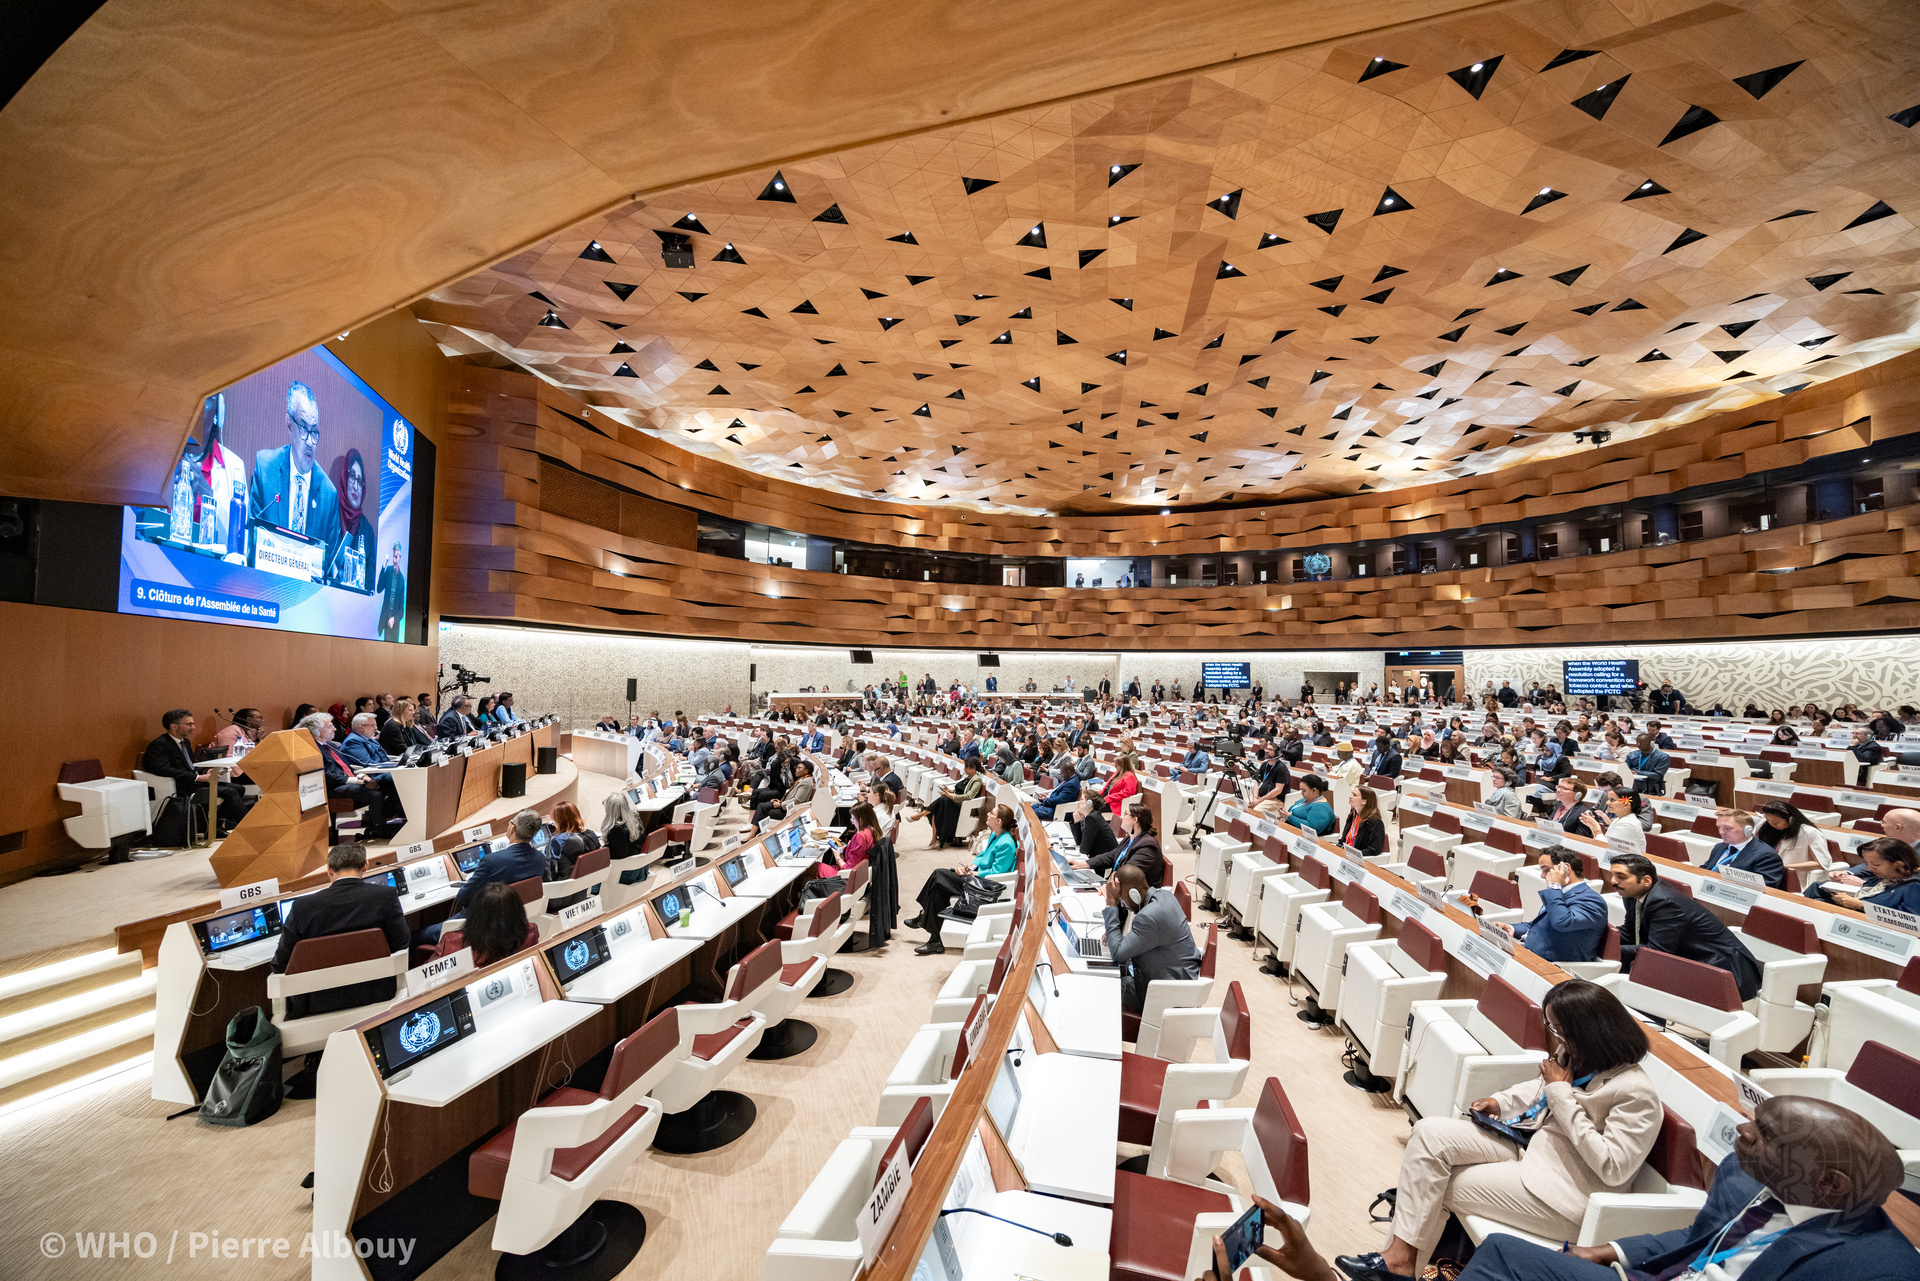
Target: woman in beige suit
{"x": 1594, "y": 1114}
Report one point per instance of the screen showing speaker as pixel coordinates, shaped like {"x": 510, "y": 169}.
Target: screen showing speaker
{"x": 290, "y": 508}
{"x": 1226, "y": 675}
{"x": 1594, "y": 676}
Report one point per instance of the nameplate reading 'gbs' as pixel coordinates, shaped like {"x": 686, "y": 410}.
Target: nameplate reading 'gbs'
{"x": 479, "y": 833}
{"x": 256, "y": 892}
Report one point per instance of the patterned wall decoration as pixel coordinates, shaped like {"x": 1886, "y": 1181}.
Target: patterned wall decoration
{"x": 583, "y": 675}
{"x": 1874, "y": 673}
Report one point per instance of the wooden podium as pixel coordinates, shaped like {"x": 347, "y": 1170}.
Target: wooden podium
{"x": 277, "y": 838}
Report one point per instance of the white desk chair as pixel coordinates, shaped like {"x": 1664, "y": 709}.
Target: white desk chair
{"x": 1166, "y": 996}
{"x": 1283, "y": 899}
{"x": 548, "y": 1169}
{"x": 714, "y": 1039}
{"x": 1384, "y": 978}
{"x": 590, "y": 875}
{"x": 1209, "y": 870}
{"x": 320, "y": 964}
{"x": 803, "y": 963}
{"x": 1441, "y": 833}
{"x": 1458, "y": 1051}
{"x": 1245, "y": 871}
{"x": 627, "y": 878}
{"x": 1665, "y": 1194}
{"x": 1692, "y": 993}
{"x": 1424, "y": 866}
{"x": 699, "y": 817}
{"x": 1788, "y": 949}
{"x": 968, "y": 980}
{"x": 819, "y": 1240}
{"x": 1882, "y": 1085}
{"x": 971, "y": 818}
{"x": 1862, "y": 1010}
{"x": 1500, "y": 854}
{"x": 1164, "y": 1226}
{"x": 1320, "y": 953}
{"x": 1154, "y": 1087}
{"x": 926, "y": 1071}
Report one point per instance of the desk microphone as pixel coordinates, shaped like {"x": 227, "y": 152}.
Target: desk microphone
{"x": 695, "y": 885}
{"x": 1059, "y": 1238}
{"x": 1051, "y": 974}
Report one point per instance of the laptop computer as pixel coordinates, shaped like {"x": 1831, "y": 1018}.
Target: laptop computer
{"x": 1075, "y": 876}
{"x": 1088, "y": 947}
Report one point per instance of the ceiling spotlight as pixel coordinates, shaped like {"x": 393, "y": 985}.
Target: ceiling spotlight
{"x": 781, "y": 186}
{"x": 1115, "y": 169}
{"x": 1545, "y": 190}
{"x": 1111, "y": 221}
{"x": 1387, "y": 201}
{"x": 1646, "y": 184}
{"x": 343, "y": 335}
{"x": 1476, "y": 66}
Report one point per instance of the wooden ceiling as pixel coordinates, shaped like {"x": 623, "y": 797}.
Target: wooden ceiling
{"x": 191, "y": 191}
{"x": 1367, "y": 265}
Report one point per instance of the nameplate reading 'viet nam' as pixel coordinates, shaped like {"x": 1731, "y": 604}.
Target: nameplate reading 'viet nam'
{"x": 574, "y": 913}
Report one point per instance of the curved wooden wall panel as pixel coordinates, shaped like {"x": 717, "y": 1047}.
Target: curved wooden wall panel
{"x": 503, "y": 557}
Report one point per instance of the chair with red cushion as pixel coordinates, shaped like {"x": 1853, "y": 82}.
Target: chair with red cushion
{"x": 1154, "y": 1087}
{"x": 321, "y": 964}
{"x": 1143, "y": 1027}
{"x": 819, "y": 1240}
{"x": 548, "y": 1169}
{"x": 590, "y": 876}
{"x": 1163, "y": 1228}
{"x": 713, "y": 1041}
{"x": 803, "y": 963}
{"x": 1700, "y": 996}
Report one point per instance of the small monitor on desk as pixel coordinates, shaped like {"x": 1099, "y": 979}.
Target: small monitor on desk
{"x": 795, "y": 839}
{"x": 633, "y": 796}
{"x": 1003, "y": 1101}
{"x": 469, "y": 858}
{"x": 395, "y": 880}
{"x": 669, "y": 905}
{"x": 578, "y": 955}
{"x": 237, "y": 929}
{"x": 401, "y": 1042}
{"x": 735, "y": 870}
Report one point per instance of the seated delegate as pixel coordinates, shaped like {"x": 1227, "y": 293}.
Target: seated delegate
{"x": 1141, "y": 848}
{"x": 1311, "y": 812}
{"x": 1066, "y": 790}
{"x": 1572, "y": 921}
{"x": 1887, "y": 879}
{"x": 862, "y": 844}
{"x": 944, "y": 813}
{"x": 508, "y": 865}
{"x": 345, "y": 905}
{"x": 401, "y": 730}
{"x": 1798, "y": 1199}
{"x": 944, "y": 884}
{"x": 1661, "y": 918}
{"x": 1593, "y": 1114}
{"x": 364, "y": 786}
{"x": 1157, "y": 944}
{"x": 1740, "y": 849}
{"x": 496, "y": 926}
{"x": 1365, "y": 830}
{"x": 171, "y": 756}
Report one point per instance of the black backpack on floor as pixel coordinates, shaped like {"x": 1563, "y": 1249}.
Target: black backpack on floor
{"x": 246, "y": 1086}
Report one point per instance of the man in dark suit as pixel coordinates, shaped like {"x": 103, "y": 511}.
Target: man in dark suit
{"x": 363, "y": 786}
{"x": 171, "y": 756}
{"x": 1385, "y": 760}
{"x": 392, "y": 589}
{"x": 1664, "y": 920}
{"x": 287, "y": 489}
{"x": 345, "y": 905}
{"x": 1738, "y": 849}
{"x": 508, "y": 865}
{"x": 1797, "y": 1200}
{"x": 458, "y": 719}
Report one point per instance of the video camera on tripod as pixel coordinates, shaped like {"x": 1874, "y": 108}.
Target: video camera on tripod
{"x": 464, "y": 679}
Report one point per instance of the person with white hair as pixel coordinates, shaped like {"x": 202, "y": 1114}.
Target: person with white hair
{"x": 367, "y": 787}
{"x": 288, "y": 490}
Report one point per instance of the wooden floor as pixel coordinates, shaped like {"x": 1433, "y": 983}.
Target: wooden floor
{"x": 104, "y": 1159}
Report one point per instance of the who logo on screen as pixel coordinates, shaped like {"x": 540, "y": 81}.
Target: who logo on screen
{"x": 400, "y": 436}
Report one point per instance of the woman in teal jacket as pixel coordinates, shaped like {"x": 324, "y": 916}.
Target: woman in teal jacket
{"x": 996, "y": 858}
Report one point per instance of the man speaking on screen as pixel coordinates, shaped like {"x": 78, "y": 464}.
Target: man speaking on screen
{"x": 393, "y": 597}
{"x": 287, "y": 489}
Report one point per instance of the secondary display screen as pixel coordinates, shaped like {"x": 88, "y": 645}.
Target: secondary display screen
{"x": 1226, "y": 675}
{"x": 578, "y": 955}
{"x": 735, "y": 870}
{"x": 1593, "y": 676}
{"x": 411, "y": 1037}
{"x": 291, "y": 508}
{"x": 669, "y": 906}
{"x": 239, "y": 928}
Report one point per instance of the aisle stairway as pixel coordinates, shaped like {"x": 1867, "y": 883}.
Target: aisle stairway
{"x": 70, "y": 1017}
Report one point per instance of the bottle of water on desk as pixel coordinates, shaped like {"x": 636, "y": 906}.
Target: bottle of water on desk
{"x": 181, "y": 528}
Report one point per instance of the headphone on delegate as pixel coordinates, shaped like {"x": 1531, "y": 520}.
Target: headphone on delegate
{"x": 1136, "y": 899}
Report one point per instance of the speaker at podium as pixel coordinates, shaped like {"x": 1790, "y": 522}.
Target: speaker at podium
{"x": 513, "y": 779}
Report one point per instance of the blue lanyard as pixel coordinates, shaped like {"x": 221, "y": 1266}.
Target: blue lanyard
{"x": 1707, "y": 1256}
{"x": 1540, "y": 1104}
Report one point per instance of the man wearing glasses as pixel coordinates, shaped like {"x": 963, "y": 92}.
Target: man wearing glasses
{"x": 287, "y": 489}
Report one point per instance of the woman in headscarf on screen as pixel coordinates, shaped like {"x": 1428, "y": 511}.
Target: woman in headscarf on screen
{"x": 352, "y": 563}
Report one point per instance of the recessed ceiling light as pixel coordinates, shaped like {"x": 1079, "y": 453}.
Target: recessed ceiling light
{"x": 1545, "y": 190}
{"x": 1646, "y": 184}
{"x": 1112, "y": 220}
{"x": 1476, "y": 66}
{"x": 781, "y": 186}
{"x": 1387, "y": 201}
{"x": 1115, "y": 169}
